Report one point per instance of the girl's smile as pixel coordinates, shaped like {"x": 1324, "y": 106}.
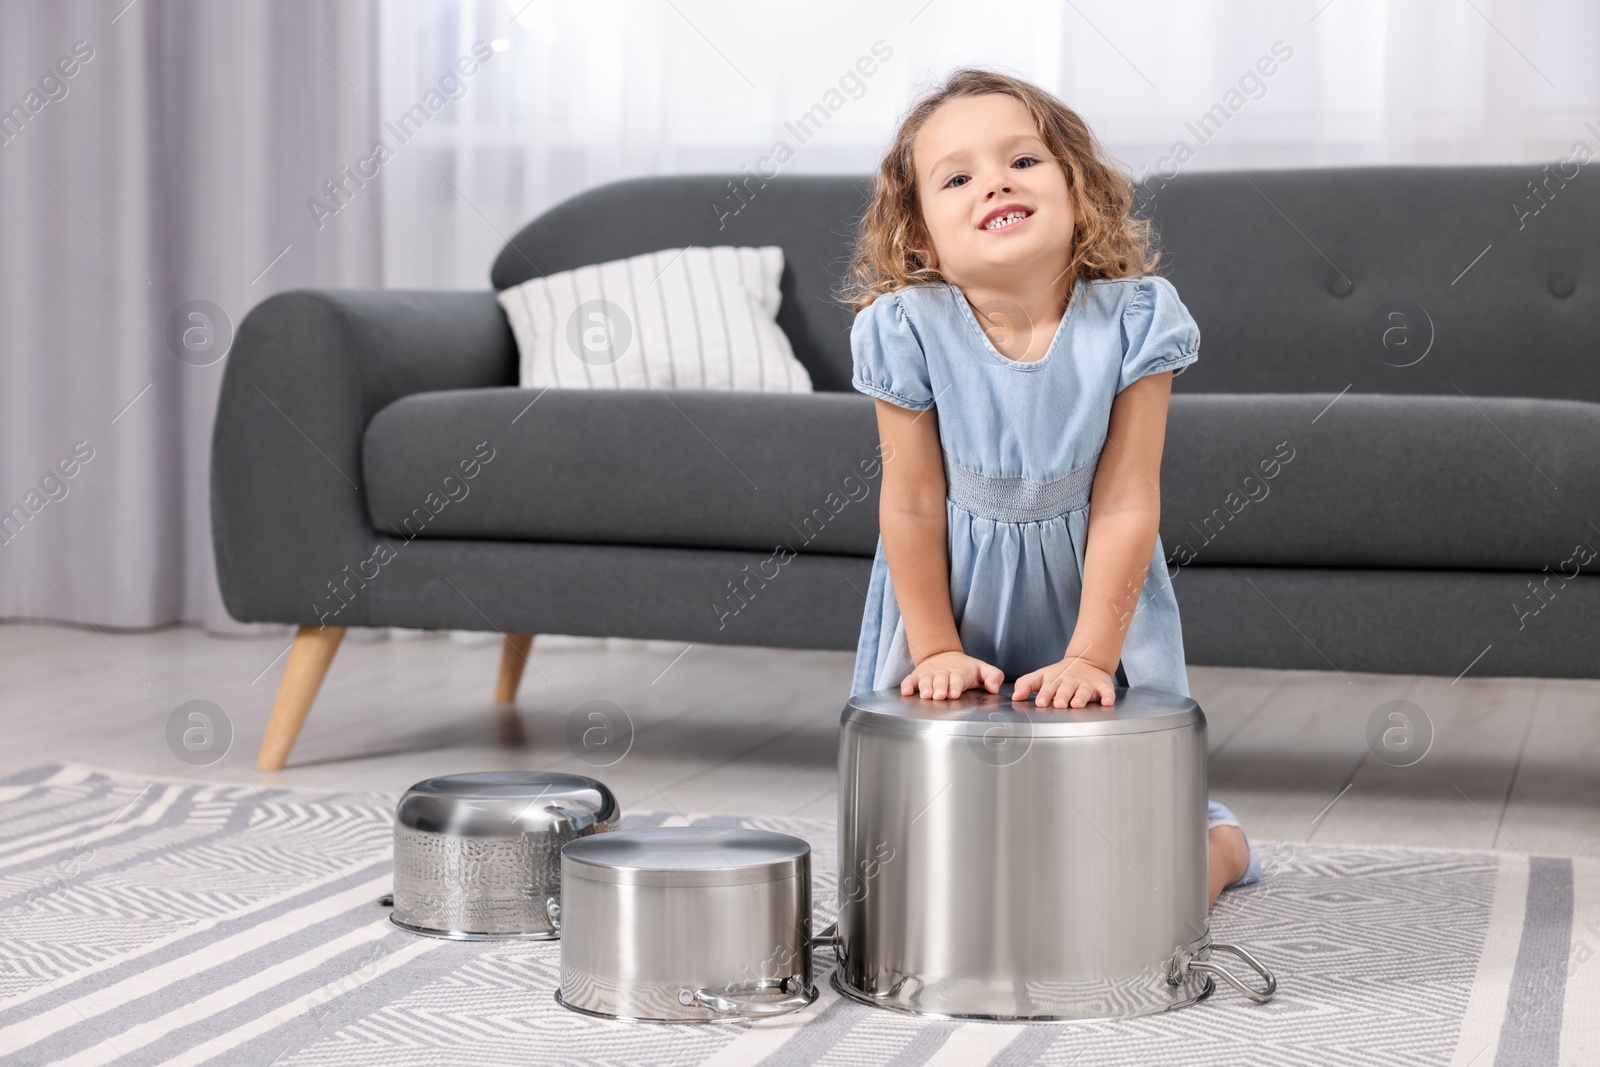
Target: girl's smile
{"x": 1003, "y": 219}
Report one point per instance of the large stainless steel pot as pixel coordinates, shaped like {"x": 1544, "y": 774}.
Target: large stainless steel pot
{"x": 686, "y": 924}
{"x": 477, "y": 856}
{"x": 1001, "y": 861}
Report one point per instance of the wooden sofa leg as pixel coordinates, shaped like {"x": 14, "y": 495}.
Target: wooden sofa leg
{"x": 513, "y": 657}
{"x": 313, "y": 651}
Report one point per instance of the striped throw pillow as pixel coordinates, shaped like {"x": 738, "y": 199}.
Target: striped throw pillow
{"x": 680, "y": 318}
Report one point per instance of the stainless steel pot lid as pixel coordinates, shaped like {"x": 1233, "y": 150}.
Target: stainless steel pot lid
{"x": 687, "y": 856}
{"x": 493, "y": 803}
{"x": 1136, "y": 711}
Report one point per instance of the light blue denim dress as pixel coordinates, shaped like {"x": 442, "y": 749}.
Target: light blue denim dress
{"x": 1021, "y": 444}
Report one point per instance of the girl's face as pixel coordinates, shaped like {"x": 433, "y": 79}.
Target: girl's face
{"x": 994, "y": 200}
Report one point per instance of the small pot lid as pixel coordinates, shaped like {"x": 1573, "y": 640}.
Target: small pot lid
{"x": 494, "y": 803}
{"x": 1137, "y": 710}
{"x": 687, "y": 855}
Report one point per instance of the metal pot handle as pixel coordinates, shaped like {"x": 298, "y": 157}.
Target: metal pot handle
{"x": 1260, "y": 996}
{"x": 579, "y": 823}
{"x": 739, "y": 1000}
{"x": 828, "y": 938}
{"x": 552, "y": 911}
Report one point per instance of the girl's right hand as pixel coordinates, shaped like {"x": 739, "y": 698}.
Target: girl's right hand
{"x": 946, "y": 675}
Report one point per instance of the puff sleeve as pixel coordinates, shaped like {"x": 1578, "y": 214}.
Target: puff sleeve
{"x": 887, "y": 356}
{"x": 1157, "y": 331}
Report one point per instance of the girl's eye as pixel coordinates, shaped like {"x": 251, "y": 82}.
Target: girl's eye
{"x": 1026, "y": 159}
{"x": 955, "y": 178}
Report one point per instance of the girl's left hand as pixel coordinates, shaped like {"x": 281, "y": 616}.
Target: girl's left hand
{"x": 1071, "y": 683}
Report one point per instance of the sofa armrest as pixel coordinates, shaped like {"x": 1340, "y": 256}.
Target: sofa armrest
{"x": 307, "y": 372}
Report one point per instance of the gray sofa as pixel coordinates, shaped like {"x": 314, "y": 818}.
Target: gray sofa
{"x": 1386, "y": 459}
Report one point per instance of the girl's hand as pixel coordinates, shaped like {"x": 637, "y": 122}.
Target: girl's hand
{"x": 946, "y": 675}
{"x": 1071, "y": 683}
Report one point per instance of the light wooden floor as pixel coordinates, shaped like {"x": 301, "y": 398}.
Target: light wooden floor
{"x": 1515, "y": 762}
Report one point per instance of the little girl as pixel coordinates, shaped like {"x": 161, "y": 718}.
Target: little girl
{"x": 1019, "y": 351}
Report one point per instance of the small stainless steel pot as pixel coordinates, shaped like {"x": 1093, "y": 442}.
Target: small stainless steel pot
{"x": 1002, "y": 861}
{"x": 478, "y": 856}
{"x": 686, "y": 924}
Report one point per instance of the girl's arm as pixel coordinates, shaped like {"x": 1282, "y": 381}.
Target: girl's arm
{"x": 916, "y": 544}
{"x": 1124, "y": 516}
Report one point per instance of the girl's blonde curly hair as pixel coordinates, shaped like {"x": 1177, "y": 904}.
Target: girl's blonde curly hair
{"x": 1108, "y": 241}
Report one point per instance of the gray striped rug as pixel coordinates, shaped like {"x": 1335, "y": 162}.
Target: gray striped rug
{"x": 182, "y": 923}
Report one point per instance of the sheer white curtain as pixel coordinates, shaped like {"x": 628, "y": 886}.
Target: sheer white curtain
{"x": 171, "y": 165}
{"x": 580, "y": 94}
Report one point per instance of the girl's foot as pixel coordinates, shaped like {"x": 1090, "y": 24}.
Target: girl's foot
{"x": 1228, "y": 859}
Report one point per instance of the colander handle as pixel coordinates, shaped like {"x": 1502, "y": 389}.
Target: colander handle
{"x": 741, "y": 1000}
{"x": 1260, "y": 996}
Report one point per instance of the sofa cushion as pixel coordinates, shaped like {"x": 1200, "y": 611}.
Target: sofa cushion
{"x": 1367, "y": 480}
{"x": 632, "y": 466}
{"x": 677, "y": 318}
{"x": 810, "y": 216}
